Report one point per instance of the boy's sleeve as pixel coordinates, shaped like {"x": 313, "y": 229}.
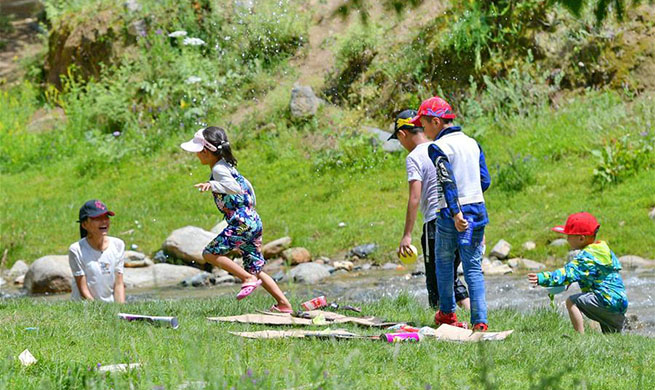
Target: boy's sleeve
{"x": 570, "y": 273}
{"x": 413, "y": 171}
{"x": 485, "y": 178}
{"x": 445, "y": 178}
{"x": 223, "y": 182}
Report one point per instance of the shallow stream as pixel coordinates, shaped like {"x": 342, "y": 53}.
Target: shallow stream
{"x": 507, "y": 291}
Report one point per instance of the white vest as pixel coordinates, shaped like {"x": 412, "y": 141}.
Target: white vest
{"x": 464, "y": 156}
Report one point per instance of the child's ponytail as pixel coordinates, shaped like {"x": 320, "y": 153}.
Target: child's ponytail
{"x": 217, "y": 137}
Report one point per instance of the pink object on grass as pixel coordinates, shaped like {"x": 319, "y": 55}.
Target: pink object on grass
{"x": 248, "y": 288}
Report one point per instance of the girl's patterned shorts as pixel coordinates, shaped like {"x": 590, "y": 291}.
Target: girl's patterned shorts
{"x": 248, "y": 239}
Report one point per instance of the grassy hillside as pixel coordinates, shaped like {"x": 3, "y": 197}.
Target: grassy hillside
{"x": 125, "y": 122}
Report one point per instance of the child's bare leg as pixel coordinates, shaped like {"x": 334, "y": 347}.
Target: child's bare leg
{"x": 465, "y": 303}
{"x": 230, "y": 266}
{"x": 269, "y": 285}
{"x": 576, "y": 316}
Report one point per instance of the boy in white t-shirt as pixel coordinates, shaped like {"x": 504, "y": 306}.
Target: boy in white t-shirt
{"x": 422, "y": 179}
{"x": 97, "y": 259}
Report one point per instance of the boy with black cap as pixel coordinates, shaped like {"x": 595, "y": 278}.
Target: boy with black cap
{"x": 97, "y": 259}
{"x": 596, "y": 269}
{"x": 422, "y": 192}
{"x": 462, "y": 177}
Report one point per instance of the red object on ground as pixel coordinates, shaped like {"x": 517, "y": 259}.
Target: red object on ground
{"x": 315, "y": 303}
{"x": 448, "y": 318}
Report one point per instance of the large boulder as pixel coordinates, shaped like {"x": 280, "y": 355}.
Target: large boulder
{"x": 18, "y": 269}
{"x": 309, "y": 273}
{"x": 89, "y": 44}
{"x": 49, "y": 274}
{"x": 304, "y": 102}
{"x": 187, "y": 243}
{"x": 158, "y": 275}
{"x": 276, "y": 247}
{"x": 296, "y": 256}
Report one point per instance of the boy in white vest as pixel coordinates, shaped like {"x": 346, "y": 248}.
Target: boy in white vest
{"x": 462, "y": 177}
{"x": 422, "y": 180}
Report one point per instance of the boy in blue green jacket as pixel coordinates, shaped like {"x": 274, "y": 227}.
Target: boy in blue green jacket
{"x": 596, "y": 269}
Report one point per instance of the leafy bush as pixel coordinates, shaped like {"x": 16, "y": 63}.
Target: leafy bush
{"x": 354, "y": 153}
{"x": 515, "y": 175}
{"x": 622, "y": 158}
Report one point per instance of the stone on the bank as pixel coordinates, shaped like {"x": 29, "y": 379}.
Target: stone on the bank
{"x": 501, "y": 250}
{"x": 226, "y": 279}
{"x": 158, "y": 275}
{"x": 366, "y": 266}
{"x": 390, "y": 266}
{"x": 347, "y": 265}
{"x": 309, "y": 273}
{"x": 559, "y": 242}
{"x": 187, "y": 243}
{"x": 134, "y": 259}
{"x": 19, "y": 281}
{"x": 273, "y": 266}
{"x": 381, "y": 137}
{"x": 530, "y": 265}
{"x": 297, "y": 255}
{"x": 632, "y": 262}
{"x": 201, "y": 279}
{"x": 529, "y": 245}
{"x": 496, "y": 269}
{"x": 362, "y": 251}
{"x": 304, "y": 102}
{"x": 19, "y": 268}
{"x": 49, "y": 274}
{"x": 276, "y": 247}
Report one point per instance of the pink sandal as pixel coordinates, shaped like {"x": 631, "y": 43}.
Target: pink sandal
{"x": 276, "y": 309}
{"x": 248, "y": 288}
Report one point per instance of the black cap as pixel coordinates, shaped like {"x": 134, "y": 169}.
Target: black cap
{"x": 403, "y": 122}
{"x": 91, "y": 209}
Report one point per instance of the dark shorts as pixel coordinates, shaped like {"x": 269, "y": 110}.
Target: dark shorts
{"x": 428, "y": 243}
{"x": 592, "y": 307}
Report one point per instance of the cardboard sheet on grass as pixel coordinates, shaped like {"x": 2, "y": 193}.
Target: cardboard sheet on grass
{"x": 442, "y": 333}
{"x": 306, "y": 320}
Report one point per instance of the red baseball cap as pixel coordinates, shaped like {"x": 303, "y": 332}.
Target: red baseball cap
{"x": 434, "y": 106}
{"x": 583, "y": 224}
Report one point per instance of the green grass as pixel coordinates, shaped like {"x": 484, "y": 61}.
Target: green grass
{"x": 72, "y": 338}
{"x": 368, "y": 192}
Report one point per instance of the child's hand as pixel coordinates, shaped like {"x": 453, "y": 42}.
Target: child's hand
{"x": 460, "y": 223}
{"x": 202, "y": 187}
{"x": 533, "y": 279}
{"x": 403, "y": 248}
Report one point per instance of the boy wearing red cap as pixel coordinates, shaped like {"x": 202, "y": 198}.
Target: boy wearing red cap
{"x": 462, "y": 177}
{"x": 596, "y": 269}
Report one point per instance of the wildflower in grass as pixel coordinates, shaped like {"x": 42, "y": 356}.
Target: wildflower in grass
{"x": 193, "y": 80}
{"x": 177, "y": 34}
{"x": 193, "y": 42}
{"x": 116, "y": 133}
{"x": 159, "y": 31}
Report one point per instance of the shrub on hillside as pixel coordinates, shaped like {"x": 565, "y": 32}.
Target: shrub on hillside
{"x": 514, "y": 175}
{"x": 622, "y": 158}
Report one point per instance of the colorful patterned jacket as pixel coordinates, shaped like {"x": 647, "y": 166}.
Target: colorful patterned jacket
{"x": 596, "y": 269}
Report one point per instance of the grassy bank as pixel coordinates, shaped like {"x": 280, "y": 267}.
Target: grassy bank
{"x": 542, "y": 169}
{"x": 72, "y": 339}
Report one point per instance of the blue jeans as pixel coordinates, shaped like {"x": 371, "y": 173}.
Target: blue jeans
{"x": 471, "y": 256}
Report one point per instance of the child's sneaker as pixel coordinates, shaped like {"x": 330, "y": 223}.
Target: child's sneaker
{"x": 481, "y": 327}
{"x": 449, "y": 319}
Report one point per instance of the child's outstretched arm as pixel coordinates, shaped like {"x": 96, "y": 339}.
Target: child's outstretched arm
{"x": 222, "y": 180}
{"x": 564, "y": 276}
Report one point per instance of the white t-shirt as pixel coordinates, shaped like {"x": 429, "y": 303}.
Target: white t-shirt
{"x": 100, "y": 268}
{"x": 420, "y": 168}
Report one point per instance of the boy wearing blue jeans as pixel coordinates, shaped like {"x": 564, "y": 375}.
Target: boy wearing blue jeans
{"x": 596, "y": 269}
{"x": 462, "y": 177}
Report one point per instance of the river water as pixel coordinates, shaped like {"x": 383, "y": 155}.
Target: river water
{"x": 506, "y": 291}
